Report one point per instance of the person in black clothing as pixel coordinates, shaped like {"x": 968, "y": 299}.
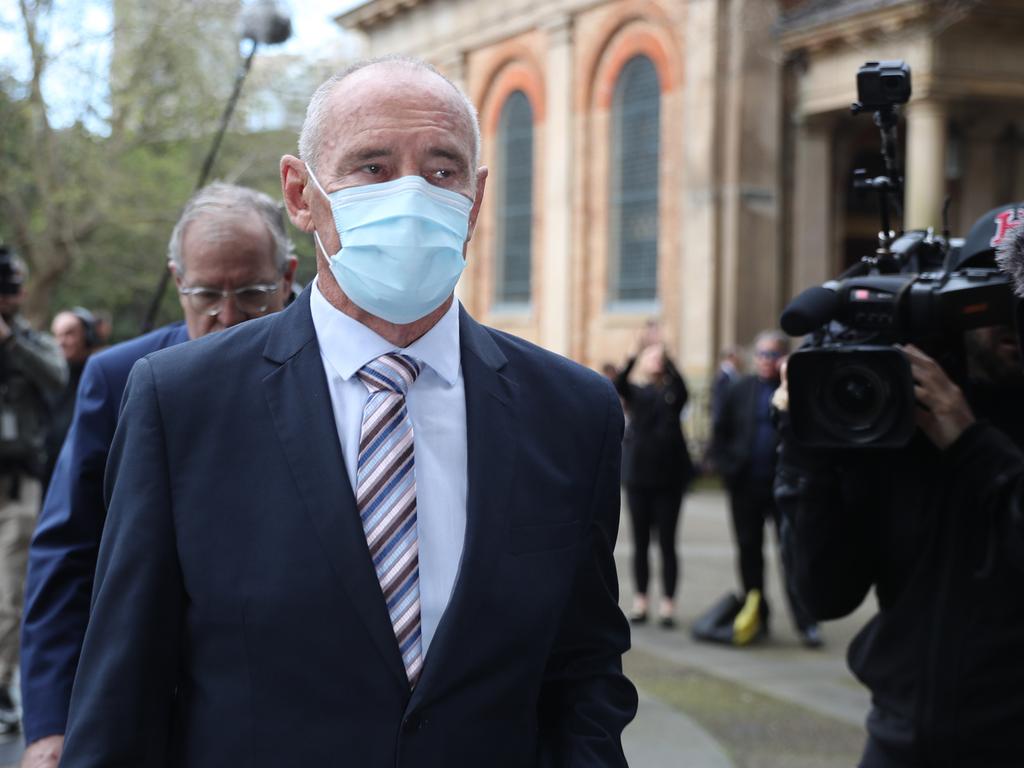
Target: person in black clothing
{"x": 656, "y": 468}
{"x": 937, "y": 530}
{"x": 728, "y": 373}
{"x": 744, "y": 449}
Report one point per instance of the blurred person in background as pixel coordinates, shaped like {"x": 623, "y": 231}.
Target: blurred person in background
{"x": 656, "y": 466}
{"x": 232, "y": 261}
{"x": 744, "y": 448}
{"x": 728, "y": 373}
{"x": 104, "y": 328}
{"x": 77, "y": 333}
{"x": 32, "y": 370}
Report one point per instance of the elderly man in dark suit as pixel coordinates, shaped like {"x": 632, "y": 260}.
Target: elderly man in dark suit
{"x": 232, "y": 260}
{"x": 367, "y": 530}
{"x": 744, "y": 447}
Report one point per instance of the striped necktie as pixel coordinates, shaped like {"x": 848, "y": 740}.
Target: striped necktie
{"x": 386, "y": 498}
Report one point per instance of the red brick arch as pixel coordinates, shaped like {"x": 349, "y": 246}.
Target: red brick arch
{"x": 516, "y": 72}
{"x": 640, "y": 28}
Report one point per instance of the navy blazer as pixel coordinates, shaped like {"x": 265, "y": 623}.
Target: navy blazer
{"x": 62, "y": 557}
{"x": 237, "y": 619}
{"x": 733, "y": 431}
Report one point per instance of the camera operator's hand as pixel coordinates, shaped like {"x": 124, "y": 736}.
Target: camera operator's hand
{"x": 942, "y": 413}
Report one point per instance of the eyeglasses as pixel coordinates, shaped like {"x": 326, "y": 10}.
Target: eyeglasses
{"x": 768, "y": 354}
{"x": 249, "y": 300}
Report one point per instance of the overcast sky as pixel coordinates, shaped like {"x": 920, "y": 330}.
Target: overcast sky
{"x": 79, "y": 36}
{"x": 313, "y": 28}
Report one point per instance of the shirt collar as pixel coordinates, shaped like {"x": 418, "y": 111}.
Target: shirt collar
{"x": 348, "y": 345}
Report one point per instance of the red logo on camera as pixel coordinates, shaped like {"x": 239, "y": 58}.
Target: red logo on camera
{"x": 1006, "y": 222}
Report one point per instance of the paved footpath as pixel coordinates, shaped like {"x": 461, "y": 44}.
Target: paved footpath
{"x": 772, "y": 704}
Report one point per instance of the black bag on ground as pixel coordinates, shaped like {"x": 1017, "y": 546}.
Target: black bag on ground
{"x": 733, "y": 620}
{"x": 715, "y": 624}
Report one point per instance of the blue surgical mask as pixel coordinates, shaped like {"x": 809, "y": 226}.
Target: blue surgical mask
{"x": 401, "y": 245}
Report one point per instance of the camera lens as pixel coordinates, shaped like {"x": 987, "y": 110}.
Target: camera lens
{"x": 855, "y": 397}
{"x": 856, "y": 394}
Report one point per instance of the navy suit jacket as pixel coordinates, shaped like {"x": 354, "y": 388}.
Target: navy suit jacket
{"x": 62, "y": 558}
{"x": 237, "y": 619}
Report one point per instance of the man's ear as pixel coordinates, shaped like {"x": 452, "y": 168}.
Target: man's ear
{"x": 294, "y": 178}
{"x": 174, "y": 273}
{"x": 481, "y": 182}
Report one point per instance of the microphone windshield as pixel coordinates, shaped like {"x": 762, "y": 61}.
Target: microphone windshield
{"x": 810, "y": 310}
{"x": 266, "y": 22}
{"x": 1010, "y": 258}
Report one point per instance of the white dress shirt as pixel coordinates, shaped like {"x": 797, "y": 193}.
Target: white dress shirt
{"x": 437, "y": 407}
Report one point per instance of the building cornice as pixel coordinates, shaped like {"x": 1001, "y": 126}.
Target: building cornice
{"x": 854, "y": 23}
{"x": 369, "y": 14}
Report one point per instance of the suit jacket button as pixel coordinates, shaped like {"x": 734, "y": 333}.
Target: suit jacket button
{"x": 412, "y": 723}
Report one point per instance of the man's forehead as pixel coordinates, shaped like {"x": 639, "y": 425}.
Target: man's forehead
{"x": 385, "y": 95}
{"x": 386, "y": 80}
{"x": 65, "y": 321}
{"x": 219, "y": 224}
{"x": 224, "y": 241}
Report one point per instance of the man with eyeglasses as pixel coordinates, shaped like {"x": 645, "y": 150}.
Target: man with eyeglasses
{"x": 232, "y": 261}
{"x": 744, "y": 448}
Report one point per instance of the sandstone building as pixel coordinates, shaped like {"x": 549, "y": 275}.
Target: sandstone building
{"x": 691, "y": 159}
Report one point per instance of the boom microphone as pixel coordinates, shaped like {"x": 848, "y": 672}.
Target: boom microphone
{"x": 265, "y": 22}
{"x": 810, "y": 311}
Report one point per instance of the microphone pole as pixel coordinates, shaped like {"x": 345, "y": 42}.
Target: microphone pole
{"x": 229, "y": 109}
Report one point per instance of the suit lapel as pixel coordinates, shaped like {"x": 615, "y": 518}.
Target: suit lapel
{"x": 491, "y": 438}
{"x": 300, "y": 406}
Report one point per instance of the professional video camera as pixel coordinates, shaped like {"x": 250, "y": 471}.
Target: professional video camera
{"x": 10, "y": 276}
{"x": 849, "y": 386}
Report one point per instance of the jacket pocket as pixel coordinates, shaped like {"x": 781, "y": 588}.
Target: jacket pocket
{"x": 526, "y": 539}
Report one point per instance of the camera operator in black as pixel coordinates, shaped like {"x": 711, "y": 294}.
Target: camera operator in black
{"x": 936, "y": 528}
{"x": 31, "y": 370}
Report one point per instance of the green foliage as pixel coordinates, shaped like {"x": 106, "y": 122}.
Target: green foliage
{"x": 119, "y": 268}
{"x": 92, "y": 209}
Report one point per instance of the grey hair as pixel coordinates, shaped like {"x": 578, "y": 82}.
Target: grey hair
{"x": 1010, "y": 258}
{"x": 311, "y": 135}
{"x": 776, "y": 338}
{"x": 220, "y": 197}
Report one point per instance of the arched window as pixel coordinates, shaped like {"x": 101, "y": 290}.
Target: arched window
{"x": 515, "y": 209}
{"x": 633, "y": 198}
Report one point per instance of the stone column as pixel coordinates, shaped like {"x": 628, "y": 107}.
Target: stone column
{"x": 555, "y": 299}
{"x": 812, "y": 214}
{"x": 926, "y": 165}
{"x": 980, "y": 171}
{"x": 453, "y": 65}
{"x": 697, "y": 186}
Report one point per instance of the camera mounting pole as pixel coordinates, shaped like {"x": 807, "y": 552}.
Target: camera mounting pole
{"x": 262, "y": 22}
{"x": 888, "y": 186}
